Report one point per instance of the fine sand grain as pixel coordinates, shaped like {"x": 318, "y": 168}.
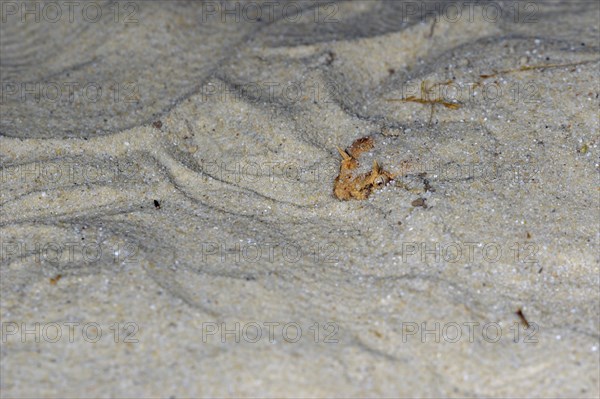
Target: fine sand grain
{"x": 173, "y": 217}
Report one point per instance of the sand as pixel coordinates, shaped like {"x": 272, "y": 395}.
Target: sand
{"x": 169, "y": 228}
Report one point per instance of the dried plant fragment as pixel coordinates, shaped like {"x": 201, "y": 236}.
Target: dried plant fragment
{"x": 348, "y": 185}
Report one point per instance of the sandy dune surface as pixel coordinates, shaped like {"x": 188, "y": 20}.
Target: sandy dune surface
{"x": 168, "y": 224}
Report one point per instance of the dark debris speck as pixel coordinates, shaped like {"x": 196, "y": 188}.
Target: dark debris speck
{"x": 419, "y": 202}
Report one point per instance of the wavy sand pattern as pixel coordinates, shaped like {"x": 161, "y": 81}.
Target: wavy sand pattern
{"x": 244, "y": 158}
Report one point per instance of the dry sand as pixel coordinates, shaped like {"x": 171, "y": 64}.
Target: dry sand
{"x": 167, "y": 176}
